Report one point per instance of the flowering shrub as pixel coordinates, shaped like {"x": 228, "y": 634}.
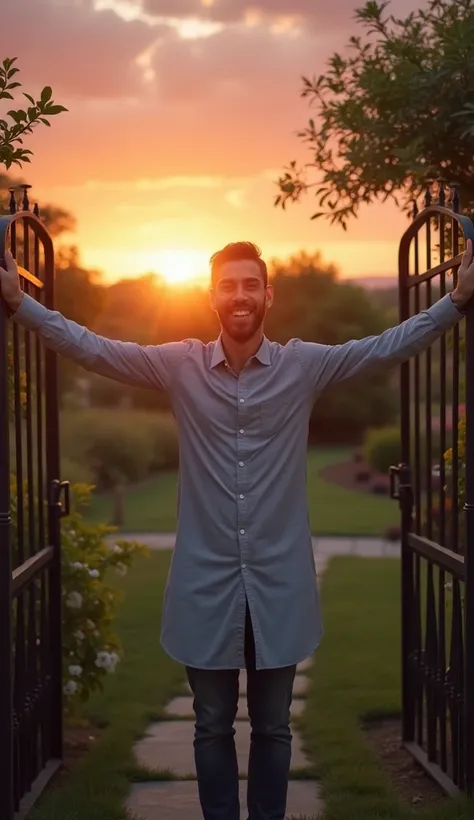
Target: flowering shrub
{"x": 91, "y": 649}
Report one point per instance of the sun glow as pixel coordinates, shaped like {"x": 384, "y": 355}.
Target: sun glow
{"x": 182, "y": 266}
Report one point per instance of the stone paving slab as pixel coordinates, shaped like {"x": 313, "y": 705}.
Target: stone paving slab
{"x": 300, "y": 686}
{"x": 304, "y": 665}
{"x": 182, "y": 707}
{"x": 168, "y": 745}
{"x": 175, "y": 800}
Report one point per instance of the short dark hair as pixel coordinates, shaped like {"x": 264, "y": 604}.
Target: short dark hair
{"x": 235, "y": 252}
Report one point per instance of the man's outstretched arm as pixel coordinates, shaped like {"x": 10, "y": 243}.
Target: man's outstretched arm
{"x": 126, "y": 362}
{"x": 327, "y": 364}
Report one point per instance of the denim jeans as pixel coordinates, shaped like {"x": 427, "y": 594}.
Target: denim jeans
{"x": 269, "y": 695}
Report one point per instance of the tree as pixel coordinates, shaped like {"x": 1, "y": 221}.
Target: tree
{"x": 18, "y": 123}
{"x": 22, "y": 121}
{"x": 392, "y": 115}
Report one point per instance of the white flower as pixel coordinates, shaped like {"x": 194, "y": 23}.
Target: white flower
{"x": 118, "y": 550}
{"x": 70, "y": 688}
{"x": 107, "y": 660}
{"x": 79, "y": 636}
{"x": 77, "y": 565}
{"x": 75, "y": 670}
{"x": 74, "y": 600}
{"x": 94, "y": 573}
{"x": 90, "y": 624}
{"x": 121, "y": 569}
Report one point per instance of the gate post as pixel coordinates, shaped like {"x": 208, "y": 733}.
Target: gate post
{"x": 6, "y": 644}
{"x": 54, "y": 520}
{"x": 405, "y": 497}
{"x": 469, "y": 559}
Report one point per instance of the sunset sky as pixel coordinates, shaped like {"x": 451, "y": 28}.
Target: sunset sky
{"x": 181, "y": 115}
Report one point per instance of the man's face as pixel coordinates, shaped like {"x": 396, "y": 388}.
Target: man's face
{"x": 240, "y": 298}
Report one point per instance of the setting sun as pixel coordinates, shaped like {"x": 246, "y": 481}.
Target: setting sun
{"x": 181, "y": 266}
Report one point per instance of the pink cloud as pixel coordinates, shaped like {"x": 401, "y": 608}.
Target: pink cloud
{"x": 78, "y": 50}
{"x": 337, "y": 13}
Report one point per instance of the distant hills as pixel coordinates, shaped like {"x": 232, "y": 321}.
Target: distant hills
{"x": 374, "y": 282}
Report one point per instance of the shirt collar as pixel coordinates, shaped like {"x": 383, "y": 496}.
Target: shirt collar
{"x": 262, "y": 354}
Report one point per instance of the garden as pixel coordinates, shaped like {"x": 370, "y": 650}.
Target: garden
{"x": 131, "y": 457}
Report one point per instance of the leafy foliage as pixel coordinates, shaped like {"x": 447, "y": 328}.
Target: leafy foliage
{"x": 91, "y": 649}
{"x": 20, "y": 122}
{"x": 392, "y": 114}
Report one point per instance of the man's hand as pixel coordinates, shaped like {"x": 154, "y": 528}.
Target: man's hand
{"x": 465, "y": 287}
{"x": 10, "y": 283}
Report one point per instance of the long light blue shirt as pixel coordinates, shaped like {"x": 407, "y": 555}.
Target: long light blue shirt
{"x": 243, "y": 526}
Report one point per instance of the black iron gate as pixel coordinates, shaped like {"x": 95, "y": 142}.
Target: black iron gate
{"x": 30, "y": 511}
{"x": 435, "y": 487}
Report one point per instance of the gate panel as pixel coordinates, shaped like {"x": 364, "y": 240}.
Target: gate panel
{"x": 30, "y": 511}
{"x": 437, "y": 625}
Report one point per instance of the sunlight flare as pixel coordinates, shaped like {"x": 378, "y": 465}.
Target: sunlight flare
{"x": 182, "y": 266}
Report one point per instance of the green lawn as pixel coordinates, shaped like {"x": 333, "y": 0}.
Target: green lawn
{"x": 151, "y": 506}
{"x": 144, "y": 682}
{"x": 356, "y": 676}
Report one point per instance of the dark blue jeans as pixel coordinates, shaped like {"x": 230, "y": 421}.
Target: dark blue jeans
{"x": 269, "y": 695}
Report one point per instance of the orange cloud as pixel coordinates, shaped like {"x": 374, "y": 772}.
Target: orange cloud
{"x": 174, "y": 126}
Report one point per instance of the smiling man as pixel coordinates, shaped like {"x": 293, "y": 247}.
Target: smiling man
{"x": 242, "y": 587}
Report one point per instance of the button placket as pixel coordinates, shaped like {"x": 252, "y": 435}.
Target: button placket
{"x": 241, "y": 472}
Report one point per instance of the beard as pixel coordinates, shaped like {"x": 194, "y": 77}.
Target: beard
{"x": 242, "y": 329}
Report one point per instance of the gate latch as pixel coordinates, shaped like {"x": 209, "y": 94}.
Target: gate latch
{"x": 57, "y": 488}
{"x": 400, "y": 486}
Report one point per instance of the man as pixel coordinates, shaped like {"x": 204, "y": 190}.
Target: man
{"x": 241, "y": 591}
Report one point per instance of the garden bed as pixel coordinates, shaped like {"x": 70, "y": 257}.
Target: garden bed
{"x": 407, "y": 777}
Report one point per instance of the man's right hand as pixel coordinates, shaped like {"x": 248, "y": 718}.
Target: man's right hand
{"x": 10, "y": 283}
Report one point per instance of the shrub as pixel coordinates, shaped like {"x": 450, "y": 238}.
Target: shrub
{"x": 382, "y": 448}
{"x": 76, "y": 473}
{"x": 91, "y": 649}
{"x": 119, "y": 446}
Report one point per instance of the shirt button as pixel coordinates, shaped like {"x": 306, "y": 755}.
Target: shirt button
{"x": 242, "y": 401}
{"x": 242, "y": 532}
{"x": 244, "y": 566}
{"x": 241, "y": 495}
{"x": 241, "y": 432}
{"x": 241, "y": 463}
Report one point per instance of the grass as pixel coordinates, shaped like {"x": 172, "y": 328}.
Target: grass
{"x": 144, "y": 682}
{"x": 334, "y": 510}
{"x": 356, "y": 677}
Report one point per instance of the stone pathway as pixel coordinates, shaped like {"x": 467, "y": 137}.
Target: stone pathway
{"x": 168, "y": 747}
{"x": 323, "y": 546}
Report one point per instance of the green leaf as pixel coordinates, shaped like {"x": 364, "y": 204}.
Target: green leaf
{"x": 54, "y": 109}
{"x": 46, "y": 94}
{"x": 45, "y": 122}
{"x": 29, "y": 98}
